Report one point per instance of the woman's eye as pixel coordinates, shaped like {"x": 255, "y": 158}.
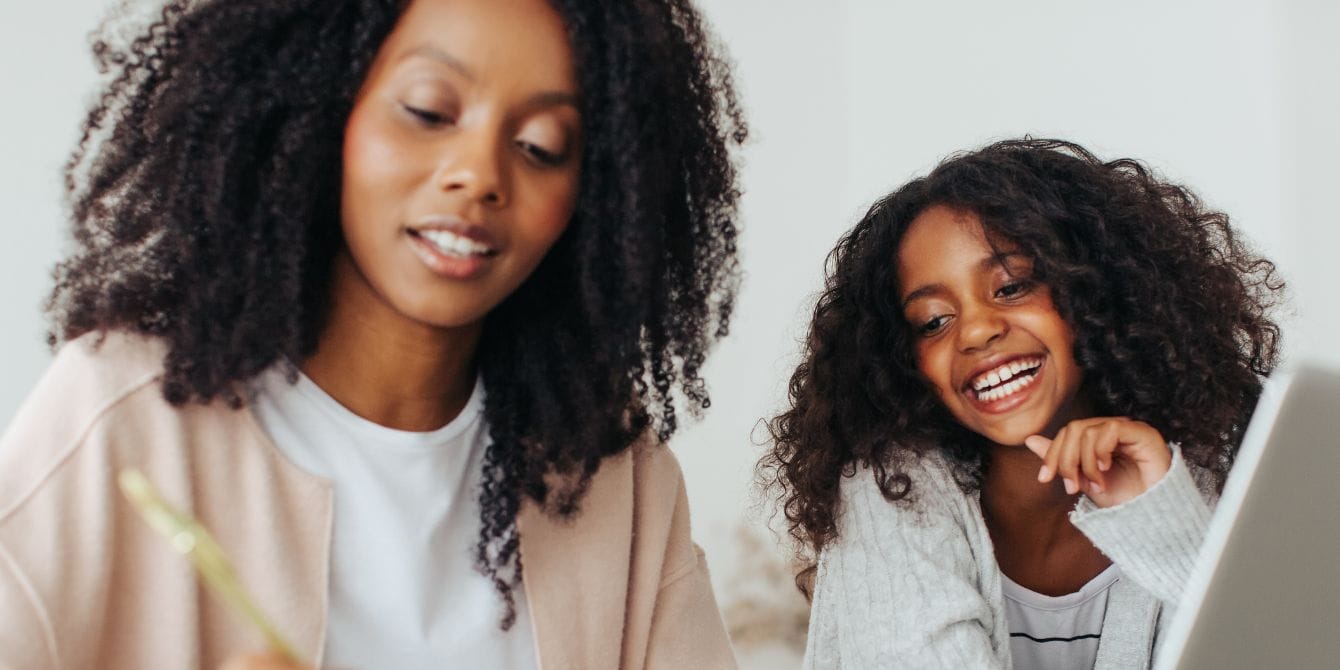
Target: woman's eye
{"x": 1014, "y": 289}
{"x": 427, "y": 116}
{"x": 539, "y": 154}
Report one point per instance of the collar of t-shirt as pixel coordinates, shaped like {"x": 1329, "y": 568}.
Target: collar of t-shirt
{"x": 404, "y": 591}
{"x": 1058, "y": 632}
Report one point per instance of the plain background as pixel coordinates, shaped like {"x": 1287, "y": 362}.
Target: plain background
{"x": 848, "y": 99}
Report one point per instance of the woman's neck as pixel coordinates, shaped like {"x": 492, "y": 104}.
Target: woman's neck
{"x": 385, "y": 367}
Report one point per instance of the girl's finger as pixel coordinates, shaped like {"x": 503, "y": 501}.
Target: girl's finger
{"x": 1104, "y": 450}
{"x": 1052, "y": 459}
{"x": 1088, "y": 458}
{"x": 1039, "y": 445}
{"x": 1067, "y": 463}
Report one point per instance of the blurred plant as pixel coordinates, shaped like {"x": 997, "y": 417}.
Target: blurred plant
{"x": 762, "y": 604}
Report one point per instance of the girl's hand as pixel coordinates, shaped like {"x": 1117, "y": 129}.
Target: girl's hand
{"x": 1109, "y": 459}
{"x": 267, "y": 661}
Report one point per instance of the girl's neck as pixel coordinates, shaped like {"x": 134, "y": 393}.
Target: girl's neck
{"x": 1011, "y": 491}
{"x": 387, "y": 368}
{"x": 1035, "y": 543}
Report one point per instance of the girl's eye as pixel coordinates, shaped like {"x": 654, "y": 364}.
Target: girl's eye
{"x": 932, "y": 326}
{"x": 539, "y": 154}
{"x": 1014, "y": 289}
{"x": 427, "y": 117}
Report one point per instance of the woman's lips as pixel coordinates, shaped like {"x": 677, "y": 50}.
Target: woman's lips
{"x": 449, "y": 264}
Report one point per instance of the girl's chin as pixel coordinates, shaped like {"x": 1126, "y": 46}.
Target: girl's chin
{"x": 1011, "y": 436}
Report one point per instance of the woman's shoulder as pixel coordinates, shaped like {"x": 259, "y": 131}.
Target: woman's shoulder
{"x": 105, "y": 364}
{"x": 92, "y": 374}
{"x": 92, "y": 385}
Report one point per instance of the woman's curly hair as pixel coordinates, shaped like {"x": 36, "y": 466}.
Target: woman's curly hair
{"x": 1168, "y": 305}
{"x": 205, "y": 200}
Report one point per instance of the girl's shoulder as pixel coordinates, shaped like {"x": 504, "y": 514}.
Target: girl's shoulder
{"x": 927, "y": 488}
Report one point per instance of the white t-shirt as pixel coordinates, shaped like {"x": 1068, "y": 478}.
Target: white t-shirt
{"x": 404, "y": 592}
{"x": 1057, "y": 632}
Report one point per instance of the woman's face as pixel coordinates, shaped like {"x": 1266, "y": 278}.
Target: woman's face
{"x": 988, "y": 339}
{"x": 461, "y": 157}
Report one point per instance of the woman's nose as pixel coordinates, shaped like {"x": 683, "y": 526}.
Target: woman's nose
{"x": 471, "y": 166}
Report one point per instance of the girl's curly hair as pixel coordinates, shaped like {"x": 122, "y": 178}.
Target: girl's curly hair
{"x": 205, "y": 201}
{"x": 1168, "y": 305}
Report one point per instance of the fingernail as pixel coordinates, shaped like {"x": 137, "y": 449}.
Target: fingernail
{"x": 1104, "y": 465}
{"x": 1044, "y": 473}
{"x": 1095, "y": 488}
{"x": 1071, "y": 487}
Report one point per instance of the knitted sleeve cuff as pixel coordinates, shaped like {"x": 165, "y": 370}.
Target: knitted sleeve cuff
{"x": 1154, "y": 538}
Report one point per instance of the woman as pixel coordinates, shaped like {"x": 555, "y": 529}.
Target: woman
{"x": 392, "y": 296}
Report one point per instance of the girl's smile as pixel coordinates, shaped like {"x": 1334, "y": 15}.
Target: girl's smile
{"x": 988, "y": 341}
{"x": 1002, "y": 386}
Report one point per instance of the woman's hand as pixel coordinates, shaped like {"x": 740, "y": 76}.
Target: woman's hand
{"x": 266, "y": 661}
{"x": 1109, "y": 459}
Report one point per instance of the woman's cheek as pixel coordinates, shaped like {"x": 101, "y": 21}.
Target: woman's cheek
{"x": 373, "y": 154}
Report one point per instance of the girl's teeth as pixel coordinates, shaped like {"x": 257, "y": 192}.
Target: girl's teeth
{"x": 1003, "y": 374}
{"x": 1004, "y": 390}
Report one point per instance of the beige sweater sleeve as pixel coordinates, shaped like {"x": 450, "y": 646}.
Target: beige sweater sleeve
{"x": 686, "y": 626}
{"x": 27, "y": 639}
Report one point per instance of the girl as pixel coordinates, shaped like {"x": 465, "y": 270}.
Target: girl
{"x": 397, "y": 299}
{"x": 981, "y": 457}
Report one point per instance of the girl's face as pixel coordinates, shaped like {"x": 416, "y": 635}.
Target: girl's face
{"x": 987, "y": 338}
{"x": 461, "y": 157}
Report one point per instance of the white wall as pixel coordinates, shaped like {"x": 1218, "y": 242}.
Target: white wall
{"x": 849, "y": 98}
{"x": 46, "y": 75}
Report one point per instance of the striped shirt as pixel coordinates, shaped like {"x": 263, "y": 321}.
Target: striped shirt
{"x": 1055, "y": 632}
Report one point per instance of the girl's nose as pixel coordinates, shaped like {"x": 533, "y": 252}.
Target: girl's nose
{"x": 980, "y": 327}
{"x": 472, "y": 167}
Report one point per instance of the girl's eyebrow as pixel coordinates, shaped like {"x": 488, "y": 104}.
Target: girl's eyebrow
{"x": 985, "y": 265}
{"x": 923, "y": 292}
{"x": 999, "y": 258}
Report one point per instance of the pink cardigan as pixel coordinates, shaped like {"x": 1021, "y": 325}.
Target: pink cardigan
{"x": 85, "y": 583}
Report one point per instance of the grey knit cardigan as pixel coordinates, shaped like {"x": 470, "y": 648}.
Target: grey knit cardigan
{"x": 916, "y": 584}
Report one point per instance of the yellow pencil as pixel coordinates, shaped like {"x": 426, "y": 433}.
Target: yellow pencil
{"x": 188, "y": 537}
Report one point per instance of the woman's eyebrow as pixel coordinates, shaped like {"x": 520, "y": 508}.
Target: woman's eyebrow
{"x": 541, "y": 99}
{"x": 435, "y": 54}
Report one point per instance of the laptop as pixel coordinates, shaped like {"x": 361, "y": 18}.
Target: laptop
{"x": 1265, "y": 592}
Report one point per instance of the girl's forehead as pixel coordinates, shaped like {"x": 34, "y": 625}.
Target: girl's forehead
{"x": 944, "y": 242}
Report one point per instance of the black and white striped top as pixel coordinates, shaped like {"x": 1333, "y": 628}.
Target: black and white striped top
{"x": 1057, "y": 632}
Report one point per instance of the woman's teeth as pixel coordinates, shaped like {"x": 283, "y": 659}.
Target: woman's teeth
{"x": 1006, "y": 379}
{"x": 453, "y": 244}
